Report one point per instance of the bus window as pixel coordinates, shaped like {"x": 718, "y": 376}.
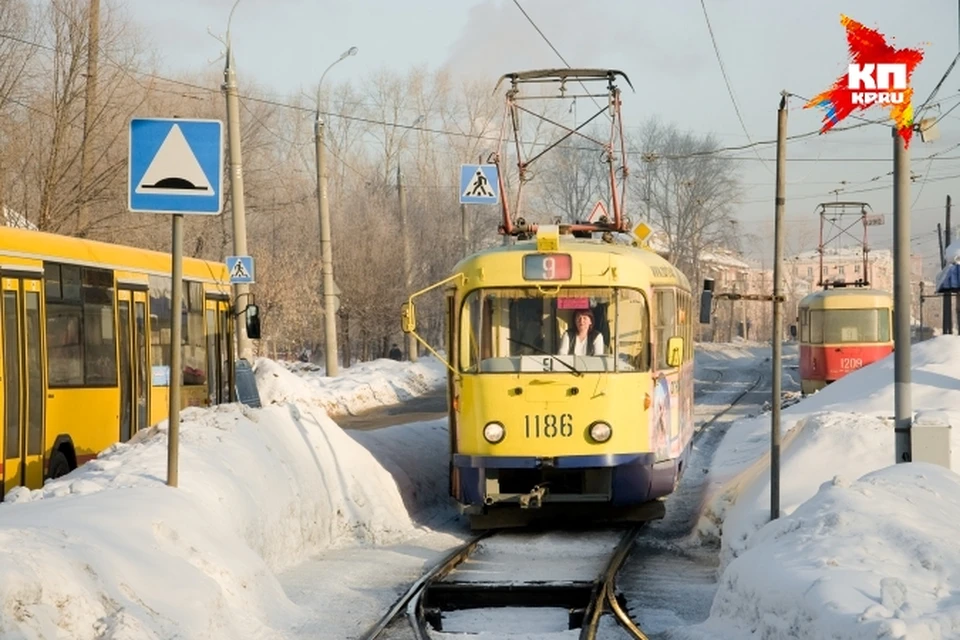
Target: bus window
{"x": 194, "y": 340}
{"x": 99, "y": 332}
{"x": 81, "y": 344}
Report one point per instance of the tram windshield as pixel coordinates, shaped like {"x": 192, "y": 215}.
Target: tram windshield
{"x": 839, "y": 326}
{"x": 589, "y": 329}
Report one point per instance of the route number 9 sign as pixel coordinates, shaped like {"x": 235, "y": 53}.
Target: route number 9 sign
{"x": 547, "y": 266}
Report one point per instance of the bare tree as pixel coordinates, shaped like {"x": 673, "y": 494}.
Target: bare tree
{"x": 692, "y": 193}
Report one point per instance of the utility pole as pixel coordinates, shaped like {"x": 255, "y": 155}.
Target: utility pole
{"x": 330, "y": 352}
{"x": 241, "y": 291}
{"x": 331, "y": 356}
{"x": 90, "y": 99}
{"x": 777, "y": 330}
{"x": 407, "y": 258}
{"x": 947, "y": 299}
{"x": 901, "y": 298}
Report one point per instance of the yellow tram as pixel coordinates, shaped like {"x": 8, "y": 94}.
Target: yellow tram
{"x": 570, "y": 353}
{"x": 85, "y": 355}
{"x": 602, "y": 433}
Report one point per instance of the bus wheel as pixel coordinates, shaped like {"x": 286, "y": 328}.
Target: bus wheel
{"x": 59, "y": 466}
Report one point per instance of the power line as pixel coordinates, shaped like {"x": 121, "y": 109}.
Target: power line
{"x": 726, "y": 81}
{"x": 714, "y": 152}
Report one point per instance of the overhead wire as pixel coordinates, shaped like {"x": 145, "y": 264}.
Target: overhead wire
{"x": 726, "y": 81}
{"x": 717, "y": 152}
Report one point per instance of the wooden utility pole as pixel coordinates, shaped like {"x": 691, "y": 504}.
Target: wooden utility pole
{"x": 89, "y": 108}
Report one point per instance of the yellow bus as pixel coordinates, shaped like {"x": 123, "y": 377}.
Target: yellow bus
{"x": 85, "y": 347}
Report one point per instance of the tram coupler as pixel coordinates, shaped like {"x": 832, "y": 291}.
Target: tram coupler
{"x": 534, "y": 499}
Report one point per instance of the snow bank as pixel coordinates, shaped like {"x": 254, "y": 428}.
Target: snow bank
{"x": 836, "y": 441}
{"x": 358, "y": 388}
{"x": 869, "y": 558}
{"x": 109, "y": 551}
{"x": 864, "y": 548}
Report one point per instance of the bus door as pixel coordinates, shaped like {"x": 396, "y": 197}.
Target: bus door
{"x": 134, "y": 386}
{"x": 22, "y": 461}
{"x": 220, "y": 385}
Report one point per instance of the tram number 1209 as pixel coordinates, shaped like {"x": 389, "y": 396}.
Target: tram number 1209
{"x": 851, "y": 363}
{"x": 549, "y": 425}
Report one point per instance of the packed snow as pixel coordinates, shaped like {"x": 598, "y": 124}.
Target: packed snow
{"x": 286, "y": 526}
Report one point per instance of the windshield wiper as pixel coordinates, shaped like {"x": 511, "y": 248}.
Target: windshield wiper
{"x": 542, "y": 352}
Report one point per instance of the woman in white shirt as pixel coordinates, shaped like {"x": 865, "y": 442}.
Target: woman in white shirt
{"x": 582, "y": 339}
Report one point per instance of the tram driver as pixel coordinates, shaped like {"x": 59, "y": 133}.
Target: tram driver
{"x": 581, "y": 339}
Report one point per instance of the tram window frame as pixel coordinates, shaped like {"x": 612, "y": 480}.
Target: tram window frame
{"x": 80, "y": 305}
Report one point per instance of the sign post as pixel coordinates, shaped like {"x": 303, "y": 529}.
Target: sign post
{"x": 175, "y": 167}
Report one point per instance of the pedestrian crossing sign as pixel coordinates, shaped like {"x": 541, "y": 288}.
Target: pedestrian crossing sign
{"x": 240, "y": 269}
{"x": 479, "y": 184}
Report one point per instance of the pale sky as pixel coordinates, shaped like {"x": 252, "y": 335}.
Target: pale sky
{"x": 664, "y": 47}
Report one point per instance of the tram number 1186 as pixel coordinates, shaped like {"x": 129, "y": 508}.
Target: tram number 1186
{"x": 549, "y": 425}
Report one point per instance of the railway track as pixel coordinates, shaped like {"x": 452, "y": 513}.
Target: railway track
{"x": 453, "y": 586}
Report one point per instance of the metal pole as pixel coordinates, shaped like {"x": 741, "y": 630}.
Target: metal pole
{"x": 947, "y": 297}
{"x": 176, "y": 347}
{"x": 921, "y": 311}
{"x": 326, "y": 249}
{"x": 241, "y": 291}
{"x": 777, "y": 330}
{"x": 407, "y": 257}
{"x": 901, "y": 297}
{"x": 463, "y": 229}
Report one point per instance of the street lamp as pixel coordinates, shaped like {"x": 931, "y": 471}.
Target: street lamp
{"x": 407, "y": 249}
{"x": 326, "y": 249}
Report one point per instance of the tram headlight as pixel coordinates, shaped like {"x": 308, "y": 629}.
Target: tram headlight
{"x": 601, "y": 431}
{"x": 494, "y": 432}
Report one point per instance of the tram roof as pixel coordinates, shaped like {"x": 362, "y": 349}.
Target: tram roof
{"x": 502, "y": 266}
{"x": 847, "y": 298}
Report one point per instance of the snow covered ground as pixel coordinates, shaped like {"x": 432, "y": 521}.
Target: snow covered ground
{"x": 286, "y": 526}
{"x": 864, "y": 548}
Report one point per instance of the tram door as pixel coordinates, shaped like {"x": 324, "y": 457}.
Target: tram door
{"x": 22, "y": 398}
{"x": 134, "y": 386}
{"x": 220, "y": 385}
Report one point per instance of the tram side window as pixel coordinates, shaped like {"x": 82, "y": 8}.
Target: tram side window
{"x": 81, "y": 333}
{"x": 666, "y": 323}
{"x": 804, "y": 325}
{"x": 633, "y": 332}
{"x": 816, "y": 326}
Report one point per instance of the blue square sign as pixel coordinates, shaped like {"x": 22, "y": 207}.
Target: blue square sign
{"x": 176, "y": 166}
{"x": 240, "y": 269}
